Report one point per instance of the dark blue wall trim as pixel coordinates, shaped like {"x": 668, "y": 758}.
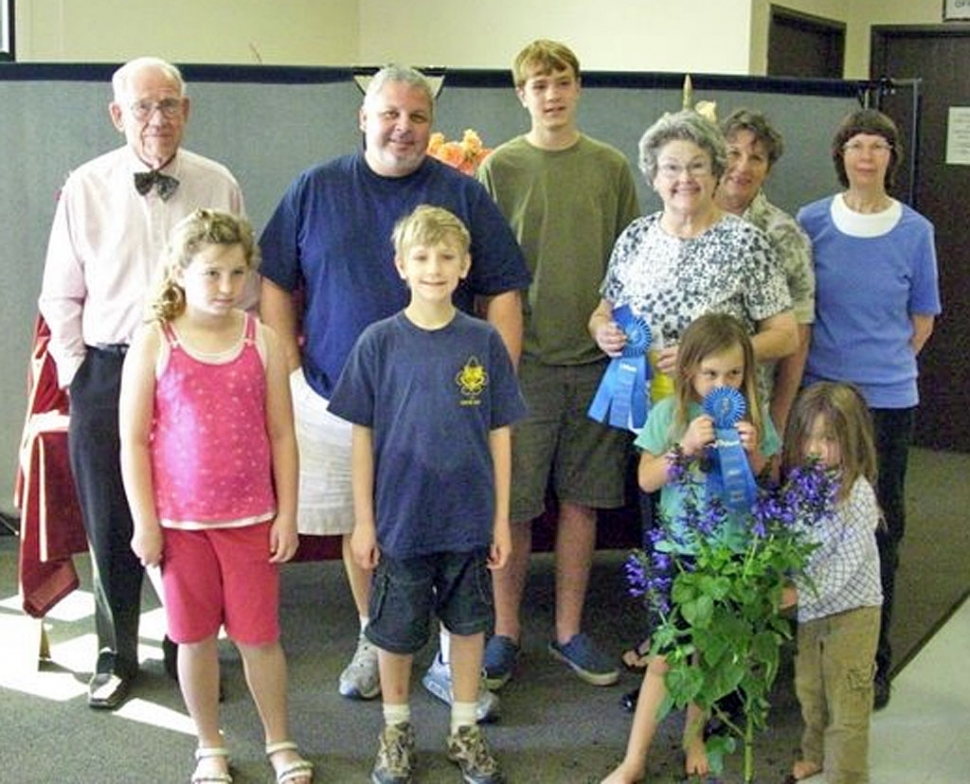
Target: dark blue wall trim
{"x": 272, "y": 74}
{"x": 101, "y": 72}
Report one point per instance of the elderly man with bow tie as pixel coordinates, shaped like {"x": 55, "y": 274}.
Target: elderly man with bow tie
{"x": 112, "y": 220}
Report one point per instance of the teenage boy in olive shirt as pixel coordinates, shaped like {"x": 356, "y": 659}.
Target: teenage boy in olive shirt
{"x": 567, "y": 198}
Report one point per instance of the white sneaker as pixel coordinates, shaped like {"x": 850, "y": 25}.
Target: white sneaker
{"x": 437, "y": 680}
{"x": 361, "y": 680}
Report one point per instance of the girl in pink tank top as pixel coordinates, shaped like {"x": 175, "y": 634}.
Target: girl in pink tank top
{"x": 209, "y": 462}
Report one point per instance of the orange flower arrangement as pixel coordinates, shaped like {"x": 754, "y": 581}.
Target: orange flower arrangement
{"x": 466, "y": 155}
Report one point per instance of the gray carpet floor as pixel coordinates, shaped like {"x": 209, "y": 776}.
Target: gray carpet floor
{"x": 553, "y": 728}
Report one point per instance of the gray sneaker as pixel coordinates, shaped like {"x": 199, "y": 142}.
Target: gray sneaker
{"x": 395, "y": 755}
{"x": 467, "y": 748}
{"x": 437, "y": 680}
{"x": 361, "y": 680}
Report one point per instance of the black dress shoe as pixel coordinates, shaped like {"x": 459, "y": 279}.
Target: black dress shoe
{"x": 629, "y": 700}
{"x": 170, "y": 658}
{"x": 880, "y": 692}
{"x": 106, "y": 690}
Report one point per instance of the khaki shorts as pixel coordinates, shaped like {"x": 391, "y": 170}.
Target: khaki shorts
{"x": 559, "y": 447}
{"x": 326, "y": 503}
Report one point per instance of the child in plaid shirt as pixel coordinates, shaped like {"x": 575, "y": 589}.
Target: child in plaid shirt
{"x": 840, "y": 595}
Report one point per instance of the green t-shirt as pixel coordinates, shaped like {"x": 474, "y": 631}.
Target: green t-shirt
{"x": 566, "y": 208}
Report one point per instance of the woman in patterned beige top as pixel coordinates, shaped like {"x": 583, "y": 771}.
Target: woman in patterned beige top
{"x": 753, "y": 147}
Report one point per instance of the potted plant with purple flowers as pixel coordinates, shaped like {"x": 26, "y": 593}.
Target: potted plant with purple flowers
{"x": 717, "y": 610}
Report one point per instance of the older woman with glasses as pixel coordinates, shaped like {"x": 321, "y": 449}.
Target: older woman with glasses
{"x": 877, "y": 296}
{"x": 689, "y": 259}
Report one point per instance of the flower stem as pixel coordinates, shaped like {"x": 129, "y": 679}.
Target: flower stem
{"x": 749, "y": 750}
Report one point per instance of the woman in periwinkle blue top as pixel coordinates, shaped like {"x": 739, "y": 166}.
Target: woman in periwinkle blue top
{"x": 876, "y": 299}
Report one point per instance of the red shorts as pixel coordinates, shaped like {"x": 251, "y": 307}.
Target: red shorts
{"x": 221, "y": 577}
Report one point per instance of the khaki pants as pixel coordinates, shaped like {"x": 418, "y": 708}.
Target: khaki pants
{"x": 834, "y": 669}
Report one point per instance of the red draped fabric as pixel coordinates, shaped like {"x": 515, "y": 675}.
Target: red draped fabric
{"x": 50, "y": 518}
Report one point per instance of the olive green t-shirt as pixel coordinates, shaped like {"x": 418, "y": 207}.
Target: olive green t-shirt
{"x": 566, "y": 208}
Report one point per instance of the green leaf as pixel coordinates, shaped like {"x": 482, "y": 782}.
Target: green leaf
{"x": 713, "y": 645}
{"x": 717, "y": 748}
{"x": 683, "y": 684}
{"x": 698, "y": 612}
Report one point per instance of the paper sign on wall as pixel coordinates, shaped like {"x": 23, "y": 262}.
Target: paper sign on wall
{"x": 958, "y": 135}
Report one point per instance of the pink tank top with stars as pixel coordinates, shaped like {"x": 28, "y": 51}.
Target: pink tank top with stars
{"x": 211, "y": 459}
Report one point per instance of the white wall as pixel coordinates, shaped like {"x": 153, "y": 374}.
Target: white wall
{"x": 275, "y": 32}
{"x": 703, "y": 36}
{"x": 711, "y": 36}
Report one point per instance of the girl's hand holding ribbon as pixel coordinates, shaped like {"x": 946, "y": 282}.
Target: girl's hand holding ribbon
{"x": 698, "y": 436}
{"x": 749, "y": 436}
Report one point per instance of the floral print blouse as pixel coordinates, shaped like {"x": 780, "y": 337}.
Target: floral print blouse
{"x": 669, "y": 281}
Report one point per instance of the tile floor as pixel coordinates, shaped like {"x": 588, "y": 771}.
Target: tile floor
{"x": 923, "y": 736}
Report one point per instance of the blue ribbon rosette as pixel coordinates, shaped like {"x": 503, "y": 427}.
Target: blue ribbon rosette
{"x": 730, "y": 476}
{"x": 621, "y": 399}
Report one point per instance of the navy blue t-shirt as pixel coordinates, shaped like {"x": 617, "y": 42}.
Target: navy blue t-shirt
{"x": 431, "y": 398}
{"x": 330, "y": 236}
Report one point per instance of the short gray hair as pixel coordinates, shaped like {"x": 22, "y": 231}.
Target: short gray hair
{"x": 686, "y": 125}
{"x": 121, "y": 77}
{"x": 405, "y": 74}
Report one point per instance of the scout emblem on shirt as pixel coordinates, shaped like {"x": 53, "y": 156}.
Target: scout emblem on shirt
{"x": 471, "y": 380}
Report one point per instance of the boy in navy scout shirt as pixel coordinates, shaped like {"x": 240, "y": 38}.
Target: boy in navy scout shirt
{"x": 431, "y": 393}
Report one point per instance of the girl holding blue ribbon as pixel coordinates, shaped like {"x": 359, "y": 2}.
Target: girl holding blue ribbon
{"x": 699, "y": 431}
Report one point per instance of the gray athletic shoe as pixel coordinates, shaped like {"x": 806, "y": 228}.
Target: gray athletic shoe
{"x": 437, "y": 680}
{"x": 361, "y": 680}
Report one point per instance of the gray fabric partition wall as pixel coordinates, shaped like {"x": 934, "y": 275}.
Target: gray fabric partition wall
{"x": 269, "y": 123}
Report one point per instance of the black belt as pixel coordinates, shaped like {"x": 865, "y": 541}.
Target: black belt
{"x": 114, "y": 349}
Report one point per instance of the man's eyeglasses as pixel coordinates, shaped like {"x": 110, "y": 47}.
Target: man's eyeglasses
{"x": 169, "y": 107}
{"x": 695, "y": 170}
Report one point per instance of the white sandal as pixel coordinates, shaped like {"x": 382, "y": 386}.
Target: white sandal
{"x": 297, "y": 769}
{"x": 207, "y": 752}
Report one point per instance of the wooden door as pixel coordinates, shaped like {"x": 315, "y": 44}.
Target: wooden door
{"x": 938, "y": 56}
{"x": 804, "y": 45}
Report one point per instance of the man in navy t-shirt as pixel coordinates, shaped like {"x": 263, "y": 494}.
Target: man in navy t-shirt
{"x": 329, "y": 240}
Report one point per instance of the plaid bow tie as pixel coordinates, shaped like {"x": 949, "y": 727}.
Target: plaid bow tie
{"x": 163, "y": 183}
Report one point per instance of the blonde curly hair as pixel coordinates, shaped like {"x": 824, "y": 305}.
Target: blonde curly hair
{"x": 203, "y": 227}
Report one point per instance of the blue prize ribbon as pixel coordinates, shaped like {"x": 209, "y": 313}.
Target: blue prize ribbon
{"x": 730, "y": 477}
{"x": 621, "y": 399}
